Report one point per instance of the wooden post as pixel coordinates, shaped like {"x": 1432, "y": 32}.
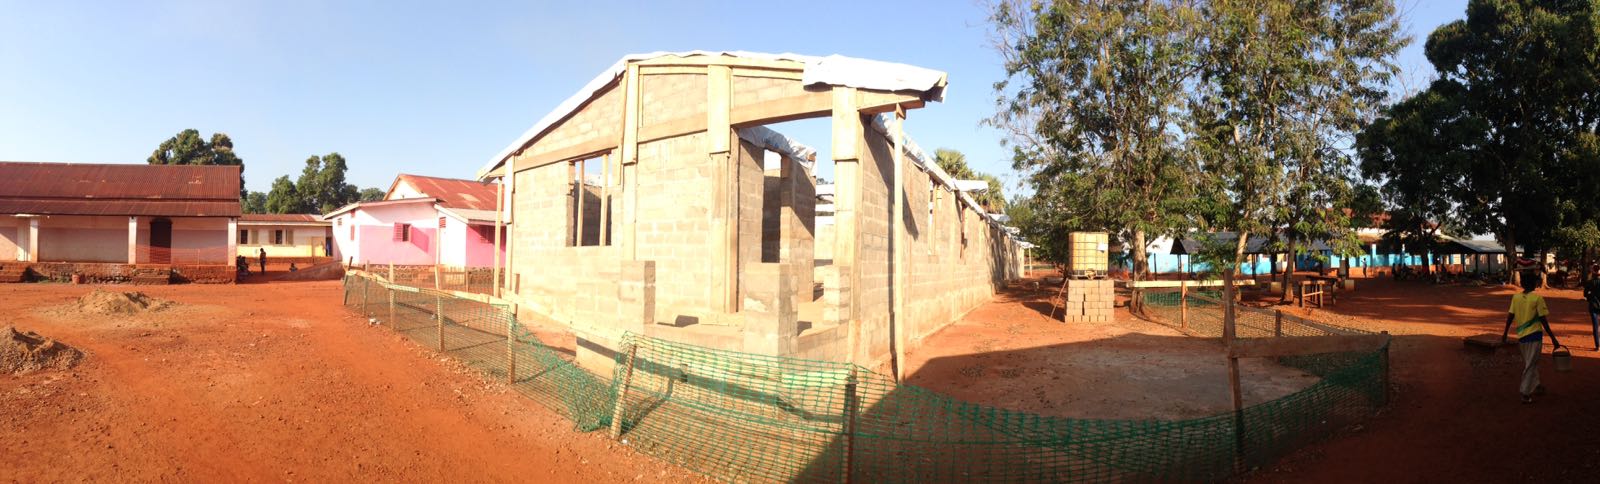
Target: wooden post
{"x": 605, "y": 199}
{"x": 1183, "y": 305}
{"x": 499, "y": 227}
{"x": 851, "y": 408}
{"x": 438, "y": 314}
{"x": 622, "y": 392}
{"x": 898, "y": 252}
{"x": 1229, "y": 333}
{"x": 582, "y": 189}
{"x": 511, "y": 347}
{"x": 391, "y": 307}
{"x": 1277, "y": 324}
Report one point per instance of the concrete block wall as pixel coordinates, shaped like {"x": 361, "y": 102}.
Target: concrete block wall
{"x": 1089, "y": 301}
{"x": 674, "y": 226}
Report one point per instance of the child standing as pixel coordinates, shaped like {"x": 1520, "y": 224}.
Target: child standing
{"x": 1531, "y": 314}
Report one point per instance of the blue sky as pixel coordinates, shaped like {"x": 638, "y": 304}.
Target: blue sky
{"x": 438, "y": 88}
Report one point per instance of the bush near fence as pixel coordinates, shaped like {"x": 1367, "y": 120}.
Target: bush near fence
{"x": 745, "y": 417}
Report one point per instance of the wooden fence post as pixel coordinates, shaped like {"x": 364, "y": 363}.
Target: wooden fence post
{"x": 622, "y": 392}
{"x": 511, "y": 347}
{"x": 851, "y": 408}
{"x": 438, "y": 314}
{"x": 1183, "y": 305}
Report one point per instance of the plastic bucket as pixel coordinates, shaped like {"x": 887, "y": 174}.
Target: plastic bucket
{"x": 1563, "y": 359}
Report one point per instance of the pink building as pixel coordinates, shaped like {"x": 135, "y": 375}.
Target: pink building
{"x": 421, "y": 221}
{"x": 117, "y": 223}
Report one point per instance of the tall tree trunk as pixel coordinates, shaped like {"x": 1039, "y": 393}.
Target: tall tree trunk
{"x": 1141, "y": 270}
{"x": 1510, "y": 239}
{"x": 1288, "y": 273}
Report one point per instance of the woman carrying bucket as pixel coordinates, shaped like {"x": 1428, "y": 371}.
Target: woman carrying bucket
{"x": 1532, "y": 316}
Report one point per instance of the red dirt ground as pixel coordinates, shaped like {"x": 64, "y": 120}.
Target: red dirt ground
{"x": 276, "y": 381}
{"x": 1454, "y": 416}
{"x": 272, "y": 382}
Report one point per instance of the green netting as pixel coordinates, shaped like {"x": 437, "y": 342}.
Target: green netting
{"x": 745, "y": 417}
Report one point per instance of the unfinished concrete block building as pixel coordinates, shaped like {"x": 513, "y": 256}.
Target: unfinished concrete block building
{"x": 654, "y": 201}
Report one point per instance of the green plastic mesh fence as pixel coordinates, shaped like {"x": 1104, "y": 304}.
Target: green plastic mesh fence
{"x": 745, "y": 417}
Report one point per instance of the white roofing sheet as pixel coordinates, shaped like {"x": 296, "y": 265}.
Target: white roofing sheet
{"x": 833, "y": 70}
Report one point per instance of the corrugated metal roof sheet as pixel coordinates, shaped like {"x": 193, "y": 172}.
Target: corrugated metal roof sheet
{"x": 452, "y": 192}
{"x": 110, "y": 189}
{"x": 281, "y": 217}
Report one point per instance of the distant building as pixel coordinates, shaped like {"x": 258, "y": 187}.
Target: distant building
{"x": 118, "y": 223}
{"x": 421, "y": 221}
{"x": 293, "y": 237}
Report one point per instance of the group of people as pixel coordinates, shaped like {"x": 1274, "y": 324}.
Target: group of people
{"x": 1531, "y": 316}
{"x": 243, "y": 265}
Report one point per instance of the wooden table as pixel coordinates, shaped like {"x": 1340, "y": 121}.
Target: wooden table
{"x": 1318, "y": 286}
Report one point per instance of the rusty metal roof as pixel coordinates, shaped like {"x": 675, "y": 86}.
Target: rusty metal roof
{"x": 452, "y": 192}
{"x": 111, "y": 189}
{"x": 282, "y": 217}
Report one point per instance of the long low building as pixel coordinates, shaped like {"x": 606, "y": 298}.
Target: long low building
{"x": 117, "y": 223}
{"x": 291, "y": 237}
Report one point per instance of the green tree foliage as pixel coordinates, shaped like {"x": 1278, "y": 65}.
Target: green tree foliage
{"x": 1514, "y": 113}
{"x": 255, "y": 202}
{"x": 1411, "y": 149}
{"x": 1283, "y": 86}
{"x": 284, "y": 198}
{"x": 321, "y": 188}
{"x": 954, "y": 163}
{"x": 372, "y": 194}
{"x": 1094, "y": 97}
{"x": 188, "y": 148}
{"x": 1043, "y": 224}
{"x": 322, "y": 185}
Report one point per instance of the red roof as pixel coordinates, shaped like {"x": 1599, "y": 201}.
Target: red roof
{"x": 109, "y": 189}
{"x": 452, "y": 192}
{"x": 280, "y": 217}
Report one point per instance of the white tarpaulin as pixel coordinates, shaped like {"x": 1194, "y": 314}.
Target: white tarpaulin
{"x": 833, "y": 70}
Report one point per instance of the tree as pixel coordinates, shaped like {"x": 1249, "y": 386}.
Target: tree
{"x": 188, "y": 148}
{"x": 1525, "y": 73}
{"x": 1095, "y": 93}
{"x": 1411, "y": 149}
{"x": 954, "y": 163}
{"x": 1042, "y": 224}
{"x": 1283, "y": 85}
{"x": 372, "y": 194}
{"x": 255, "y": 202}
{"x": 322, "y": 184}
{"x": 284, "y": 198}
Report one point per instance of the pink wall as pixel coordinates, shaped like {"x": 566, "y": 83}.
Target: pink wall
{"x": 379, "y": 247}
{"x": 480, "y": 248}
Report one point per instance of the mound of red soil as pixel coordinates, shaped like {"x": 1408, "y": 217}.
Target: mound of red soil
{"x": 26, "y": 351}
{"x": 109, "y": 302}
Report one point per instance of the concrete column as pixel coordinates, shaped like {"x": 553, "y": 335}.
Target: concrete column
{"x": 33, "y": 239}
{"x": 771, "y": 325}
{"x": 847, "y": 135}
{"x": 233, "y": 241}
{"x": 133, "y": 240}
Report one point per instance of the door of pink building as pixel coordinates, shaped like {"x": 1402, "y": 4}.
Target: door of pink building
{"x": 160, "y": 241}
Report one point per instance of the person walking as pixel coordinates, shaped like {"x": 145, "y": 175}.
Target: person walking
{"x": 1591, "y": 293}
{"x": 1532, "y": 316}
{"x": 263, "y": 260}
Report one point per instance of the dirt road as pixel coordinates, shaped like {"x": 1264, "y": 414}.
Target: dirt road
{"x": 272, "y": 382}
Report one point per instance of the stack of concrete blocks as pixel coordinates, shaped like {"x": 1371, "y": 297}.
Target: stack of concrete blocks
{"x": 1089, "y": 300}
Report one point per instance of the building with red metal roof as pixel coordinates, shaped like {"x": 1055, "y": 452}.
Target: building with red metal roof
{"x": 127, "y": 222}
{"x": 422, "y": 220}
{"x": 289, "y": 237}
